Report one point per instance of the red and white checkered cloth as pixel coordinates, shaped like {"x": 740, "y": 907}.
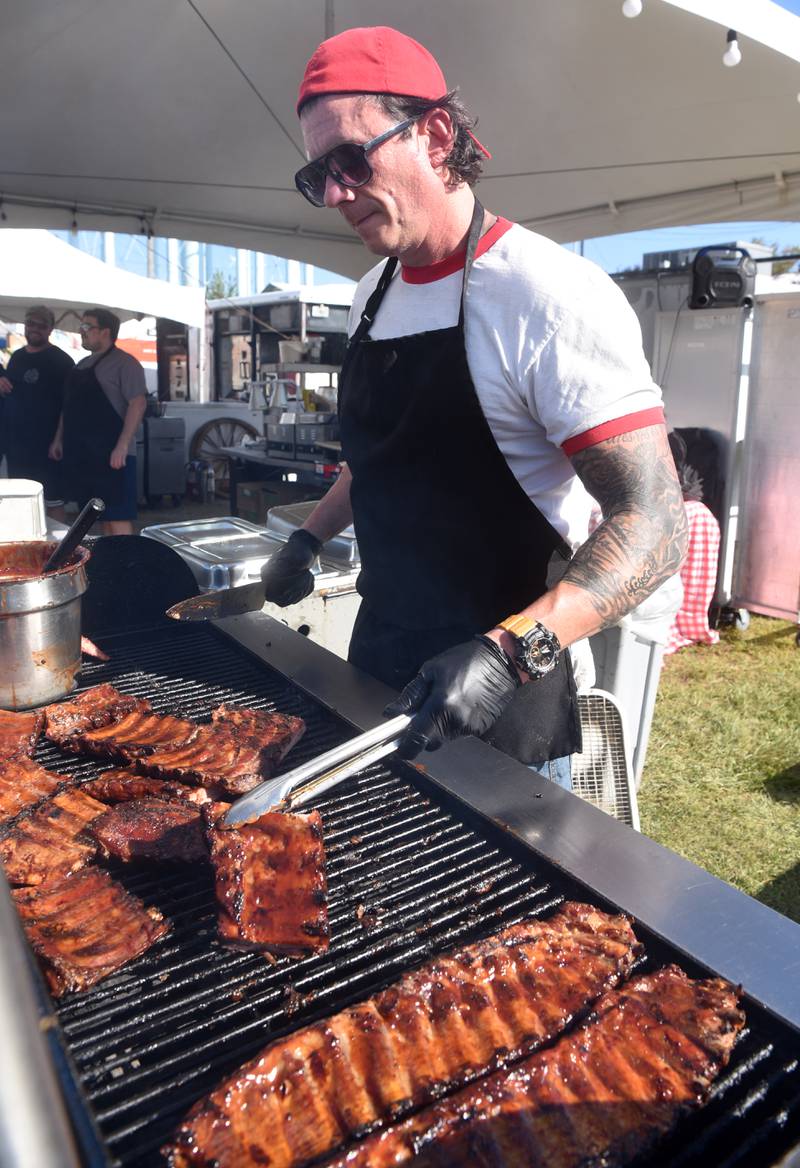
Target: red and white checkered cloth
{"x": 699, "y": 576}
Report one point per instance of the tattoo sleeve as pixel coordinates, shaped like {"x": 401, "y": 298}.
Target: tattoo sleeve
{"x": 643, "y": 537}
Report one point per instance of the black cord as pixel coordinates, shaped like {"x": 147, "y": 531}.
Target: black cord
{"x": 668, "y": 361}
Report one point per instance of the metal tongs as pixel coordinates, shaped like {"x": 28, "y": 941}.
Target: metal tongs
{"x": 320, "y": 774}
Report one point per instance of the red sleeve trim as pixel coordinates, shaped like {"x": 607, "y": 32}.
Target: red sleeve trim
{"x": 616, "y": 426}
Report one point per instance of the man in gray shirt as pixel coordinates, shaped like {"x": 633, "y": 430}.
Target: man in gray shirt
{"x": 104, "y": 402}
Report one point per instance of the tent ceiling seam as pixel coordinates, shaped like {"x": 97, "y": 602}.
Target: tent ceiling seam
{"x": 641, "y": 165}
{"x": 245, "y": 76}
{"x": 116, "y": 211}
{"x": 185, "y": 182}
{"x": 737, "y": 187}
{"x": 128, "y": 179}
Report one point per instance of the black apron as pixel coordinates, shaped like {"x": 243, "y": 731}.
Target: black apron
{"x": 31, "y": 414}
{"x": 450, "y": 543}
{"x": 91, "y": 431}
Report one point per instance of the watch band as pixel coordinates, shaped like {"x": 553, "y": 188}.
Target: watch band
{"x": 518, "y": 625}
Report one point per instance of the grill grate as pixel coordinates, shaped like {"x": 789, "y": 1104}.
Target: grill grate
{"x": 409, "y": 875}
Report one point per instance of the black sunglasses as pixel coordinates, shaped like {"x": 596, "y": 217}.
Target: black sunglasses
{"x": 346, "y": 164}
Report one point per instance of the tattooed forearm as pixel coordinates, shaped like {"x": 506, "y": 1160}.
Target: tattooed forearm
{"x": 642, "y": 539}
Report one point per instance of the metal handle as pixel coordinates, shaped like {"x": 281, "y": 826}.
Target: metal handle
{"x": 338, "y": 775}
{"x": 274, "y": 791}
{"x": 92, "y": 511}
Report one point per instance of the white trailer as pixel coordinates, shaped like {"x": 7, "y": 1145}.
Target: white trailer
{"x": 729, "y": 377}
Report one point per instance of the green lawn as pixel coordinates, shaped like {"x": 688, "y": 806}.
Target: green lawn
{"x": 721, "y": 784}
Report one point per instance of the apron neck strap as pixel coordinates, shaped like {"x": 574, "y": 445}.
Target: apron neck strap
{"x": 472, "y": 246}
{"x": 103, "y": 355}
{"x": 373, "y": 304}
{"x": 389, "y": 268}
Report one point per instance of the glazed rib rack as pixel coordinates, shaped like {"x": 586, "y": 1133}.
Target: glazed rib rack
{"x": 411, "y": 873}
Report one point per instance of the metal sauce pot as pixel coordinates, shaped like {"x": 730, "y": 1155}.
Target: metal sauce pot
{"x": 40, "y": 624}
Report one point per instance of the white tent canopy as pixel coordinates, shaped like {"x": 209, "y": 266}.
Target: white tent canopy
{"x": 178, "y": 115}
{"x": 37, "y": 268}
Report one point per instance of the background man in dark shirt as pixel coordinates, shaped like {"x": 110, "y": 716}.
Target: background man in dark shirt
{"x": 33, "y": 391}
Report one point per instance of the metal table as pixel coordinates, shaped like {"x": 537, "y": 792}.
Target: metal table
{"x": 269, "y": 467}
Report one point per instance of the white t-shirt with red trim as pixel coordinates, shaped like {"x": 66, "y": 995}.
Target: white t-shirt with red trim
{"x": 554, "y": 349}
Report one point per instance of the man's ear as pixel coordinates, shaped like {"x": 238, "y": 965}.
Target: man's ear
{"x": 441, "y": 134}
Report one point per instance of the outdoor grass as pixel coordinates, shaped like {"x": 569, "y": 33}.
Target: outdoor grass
{"x": 721, "y": 784}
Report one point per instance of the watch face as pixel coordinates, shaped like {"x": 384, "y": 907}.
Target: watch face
{"x": 539, "y": 651}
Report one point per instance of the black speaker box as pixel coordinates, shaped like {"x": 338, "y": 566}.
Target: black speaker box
{"x": 722, "y": 277}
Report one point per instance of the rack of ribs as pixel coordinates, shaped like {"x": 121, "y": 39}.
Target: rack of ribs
{"x": 49, "y": 843}
{"x": 23, "y": 783}
{"x": 236, "y": 752}
{"x": 123, "y": 784}
{"x": 99, "y": 706}
{"x": 602, "y": 1095}
{"x": 138, "y": 732}
{"x": 270, "y": 881}
{"x": 440, "y": 1026}
{"x": 151, "y": 829}
{"x": 19, "y": 732}
{"x": 85, "y": 927}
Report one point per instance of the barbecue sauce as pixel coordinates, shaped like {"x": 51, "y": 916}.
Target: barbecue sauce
{"x": 25, "y": 561}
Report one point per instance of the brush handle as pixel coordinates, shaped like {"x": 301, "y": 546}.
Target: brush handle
{"x": 92, "y": 511}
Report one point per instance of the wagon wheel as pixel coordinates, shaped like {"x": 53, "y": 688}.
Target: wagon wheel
{"x": 211, "y": 437}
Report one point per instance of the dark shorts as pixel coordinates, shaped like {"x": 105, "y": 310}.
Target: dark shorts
{"x": 126, "y": 509}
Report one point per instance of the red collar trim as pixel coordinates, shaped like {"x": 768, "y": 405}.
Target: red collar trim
{"x": 455, "y": 262}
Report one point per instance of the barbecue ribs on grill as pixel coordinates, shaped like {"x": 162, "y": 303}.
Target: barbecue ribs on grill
{"x": 19, "y": 732}
{"x": 139, "y": 732}
{"x": 151, "y": 829}
{"x": 22, "y": 784}
{"x": 238, "y": 750}
{"x": 602, "y": 1095}
{"x": 438, "y": 1027}
{"x": 99, "y": 706}
{"x": 232, "y": 755}
{"x": 120, "y": 786}
{"x": 85, "y": 927}
{"x": 48, "y": 843}
{"x": 270, "y": 881}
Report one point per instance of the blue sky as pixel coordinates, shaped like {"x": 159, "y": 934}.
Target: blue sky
{"x": 617, "y": 252}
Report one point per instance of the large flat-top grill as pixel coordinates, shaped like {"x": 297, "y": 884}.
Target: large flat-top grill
{"x": 412, "y": 871}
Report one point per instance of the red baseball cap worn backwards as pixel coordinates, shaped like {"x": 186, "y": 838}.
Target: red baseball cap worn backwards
{"x": 374, "y": 60}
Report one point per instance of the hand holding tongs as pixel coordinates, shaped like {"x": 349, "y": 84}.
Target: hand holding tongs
{"x": 321, "y": 773}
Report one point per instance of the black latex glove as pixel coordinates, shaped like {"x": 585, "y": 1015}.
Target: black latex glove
{"x": 462, "y": 691}
{"x": 287, "y": 574}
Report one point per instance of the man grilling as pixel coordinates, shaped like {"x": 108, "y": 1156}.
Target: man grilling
{"x": 494, "y": 384}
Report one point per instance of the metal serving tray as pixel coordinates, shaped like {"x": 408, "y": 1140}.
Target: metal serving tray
{"x": 191, "y": 530}
{"x": 341, "y": 551}
{"x": 226, "y": 552}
